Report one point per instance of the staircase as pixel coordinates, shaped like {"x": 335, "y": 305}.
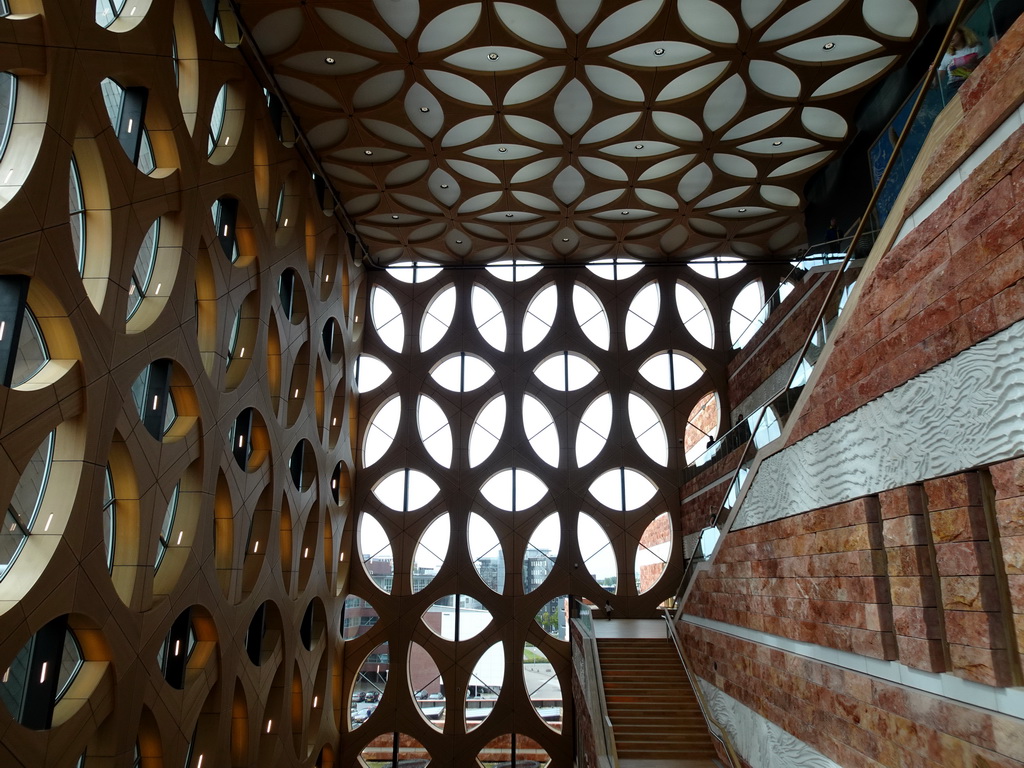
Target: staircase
{"x": 654, "y": 711}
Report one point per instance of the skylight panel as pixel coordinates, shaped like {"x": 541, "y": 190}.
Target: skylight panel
{"x": 597, "y": 553}
{"x": 717, "y": 266}
{"x": 435, "y": 431}
{"x": 387, "y": 318}
{"x": 591, "y": 315}
{"x": 431, "y": 551}
{"x": 595, "y": 426}
{"x": 622, "y": 489}
{"x": 540, "y": 314}
{"x": 489, "y": 318}
{"x": 642, "y": 315}
{"x": 405, "y": 489}
{"x": 648, "y": 429}
{"x": 540, "y": 430}
{"x": 671, "y": 370}
{"x": 380, "y": 433}
{"x": 541, "y": 551}
{"x": 462, "y": 373}
{"x": 566, "y": 372}
{"x": 487, "y": 430}
{"x": 513, "y": 489}
{"x": 694, "y": 314}
{"x": 615, "y": 268}
{"x": 370, "y": 373}
{"x": 438, "y": 318}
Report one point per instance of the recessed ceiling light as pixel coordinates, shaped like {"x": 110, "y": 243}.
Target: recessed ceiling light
{"x": 638, "y": 146}
{"x": 503, "y": 149}
{"x": 458, "y": 242}
{"x": 743, "y": 210}
{"x": 492, "y": 56}
{"x": 424, "y": 109}
{"x": 777, "y": 143}
{"x": 659, "y": 51}
{"x": 329, "y": 60}
{"x": 625, "y": 213}
{"x": 367, "y": 151}
{"x": 565, "y": 239}
{"x": 509, "y": 215}
{"x": 829, "y": 46}
{"x": 444, "y": 186}
{"x": 394, "y": 215}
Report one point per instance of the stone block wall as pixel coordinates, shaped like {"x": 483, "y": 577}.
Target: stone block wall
{"x": 923, "y": 578}
{"x": 965, "y": 261}
{"x": 701, "y": 498}
{"x": 966, "y": 567}
{"x": 818, "y": 578}
{"x": 1008, "y": 488}
{"x": 910, "y": 575}
{"x": 855, "y": 719}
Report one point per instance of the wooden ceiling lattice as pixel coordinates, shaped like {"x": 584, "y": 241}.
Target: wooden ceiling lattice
{"x": 571, "y": 130}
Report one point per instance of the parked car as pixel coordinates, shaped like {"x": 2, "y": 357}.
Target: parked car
{"x": 360, "y": 715}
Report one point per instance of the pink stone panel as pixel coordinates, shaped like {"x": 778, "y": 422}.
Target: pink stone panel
{"x": 973, "y": 619}
{"x": 819, "y": 577}
{"x": 965, "y": 261}
{"x": 855, "y": 719}
{"x": 1008, "y": 490}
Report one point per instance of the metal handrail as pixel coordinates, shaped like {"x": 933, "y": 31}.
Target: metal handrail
{"x": 808, "y": 254}
{"x": 728, "y": 441}
{"x": 607, "y": 733}
{"x": 826, "y": 301}
{"x": 715, "y": 728}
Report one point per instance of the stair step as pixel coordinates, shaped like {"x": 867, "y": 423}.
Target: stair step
{"x": 654, "y": 711}
{"x": 627, "y": 654}
{"x": 671, "y": 731}
{"x": 643, "y": 696}
{"x": 635, "y": 748}
{"x": 627, "y": 719}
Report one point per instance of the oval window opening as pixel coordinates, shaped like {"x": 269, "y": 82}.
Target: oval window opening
{"x": 430, "y": 552}
{"x": 597, "y": 553}
{"x": 375, "y": 552}
{"x": 542, "y": 686}
{"x": 541, "y": 552}
{"x": 485, "y": 685}
{"x": 652, "y": 553}
{"x": 485, "y": 549}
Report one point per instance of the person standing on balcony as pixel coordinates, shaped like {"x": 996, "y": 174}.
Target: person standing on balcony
{"x": 832, "y": 233}
{"x": 962, "y": 57}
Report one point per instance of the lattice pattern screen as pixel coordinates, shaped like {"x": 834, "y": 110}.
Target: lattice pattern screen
{"x": 521, "y": 435}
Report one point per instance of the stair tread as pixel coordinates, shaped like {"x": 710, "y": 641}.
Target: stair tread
{"x": 654, "y": 711}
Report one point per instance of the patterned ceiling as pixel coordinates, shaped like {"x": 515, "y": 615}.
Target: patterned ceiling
{"x": 572, "y": 129}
